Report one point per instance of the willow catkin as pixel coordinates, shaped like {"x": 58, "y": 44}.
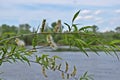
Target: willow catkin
{"x": 43, "y": 25}
{"x": 74, "y": 71}
{"x": 66, "y": 69}
{"x": 58, "y": 26}
{"x": 44, "y": 72}
{"x": 51, "y": 42}
{"x": 63, "y": 77}
{"x": 20, "y": 42}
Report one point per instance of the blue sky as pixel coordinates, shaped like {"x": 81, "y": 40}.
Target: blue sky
{"x": 103, "y": 13}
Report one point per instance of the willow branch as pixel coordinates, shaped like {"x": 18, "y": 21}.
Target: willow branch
{"x": 45, "y": 33}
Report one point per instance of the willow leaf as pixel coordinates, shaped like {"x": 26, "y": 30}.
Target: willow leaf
{"x": 80, "y": 46}
{"x": 57, "y": 57}
{"x": 68, "y": 26}
{"x": 115, "y": 42}
{"x": 75, "y": 27}
{"x": 75, "y": 16}
{"x": 84, "y": 28}
{"x": 59, "y": 66}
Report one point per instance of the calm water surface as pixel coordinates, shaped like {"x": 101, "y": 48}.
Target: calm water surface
{"x": 103, "y": 67}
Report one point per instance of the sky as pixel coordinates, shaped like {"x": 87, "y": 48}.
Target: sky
{"x": 103, "y": 13}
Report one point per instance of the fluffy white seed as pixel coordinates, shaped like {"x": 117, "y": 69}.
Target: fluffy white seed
{"x": 20, "y": 42}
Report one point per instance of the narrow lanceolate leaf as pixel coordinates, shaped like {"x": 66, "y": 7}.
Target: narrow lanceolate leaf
{"x": 66, "y": 67}
{"x": 43, "y": 71}
{"x": 68, "y": 26}
{"x": 26, "y": 59}
{"x": 81, "y": 45}
{"x": 74, "y": 72}
{"x": 57, "y": 57}
{"x": 63, "y": 77}
{"x": 75, "y": 16}
{"x": 85, "y": 74}
{"x": 55, "y": 68}
{"x": 115, "y": 42}
{"x": 75, "y": 27}
{"x": 86, "y": 27}
{"x": 43, "y": 25}
{"x": 115, "y": 51}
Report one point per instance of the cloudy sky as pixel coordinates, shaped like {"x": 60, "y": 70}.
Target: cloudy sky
{"x": 103, "y": 13}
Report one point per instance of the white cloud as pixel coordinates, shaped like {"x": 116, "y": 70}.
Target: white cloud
{"x": 85, "y": 11}
{"x": 97, "y": 12}
{"x": 88, "y": 17}
{"x": 98, "y": 18}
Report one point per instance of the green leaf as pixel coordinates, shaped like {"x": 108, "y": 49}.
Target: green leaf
{"x": 115, "y": 42}
{"x": 80, "y": 45}
{"x": 38, "y": 59}
{"x": 59, "y": 66}
{"x": 68, "y": 26}
{"x": 75, "y": 16}
{"x": 85, "y": 74}
{"x": 44, "y": 56}
{"x": 84, "y": 28}
{"x": 34, "y": 40}
{"x": 75, "y": 27}
{"x": 113, "y": 49}
{"x": 26, "y": 59}
{"x": 57, "y": 57}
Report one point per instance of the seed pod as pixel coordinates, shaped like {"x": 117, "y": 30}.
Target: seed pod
{"x": 58, "y": 26}
{"x": 43, "y": 25}
{"x": 49, "y": 38}
{"x": 66, "y": 67}
{"x": 19, "y": 42}
{"x": 67, "y": 76}
{"x": 63, "y": 77}
{"x": 43, "y": 71}
{"x": 74, "y": 72}
{"x": 55, "y": 68}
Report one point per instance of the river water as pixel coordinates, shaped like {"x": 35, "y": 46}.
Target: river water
{"x": 102, "y": 67}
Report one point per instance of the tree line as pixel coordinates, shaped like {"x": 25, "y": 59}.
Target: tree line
{"x": 7, "y": 31}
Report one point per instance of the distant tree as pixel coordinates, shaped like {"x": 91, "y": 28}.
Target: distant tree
{"x": 0, "y": 31}
{"x": 117, "y": 29}
{"x": 14, "y": 29}
{"x": 95, "y": 28}
{"x": 24, "y": 28}
{"x": 5, "y": 28}
{"x": 53, "y": 25}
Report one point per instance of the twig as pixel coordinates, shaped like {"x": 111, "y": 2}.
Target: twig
{"x": 81, "y": 33}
